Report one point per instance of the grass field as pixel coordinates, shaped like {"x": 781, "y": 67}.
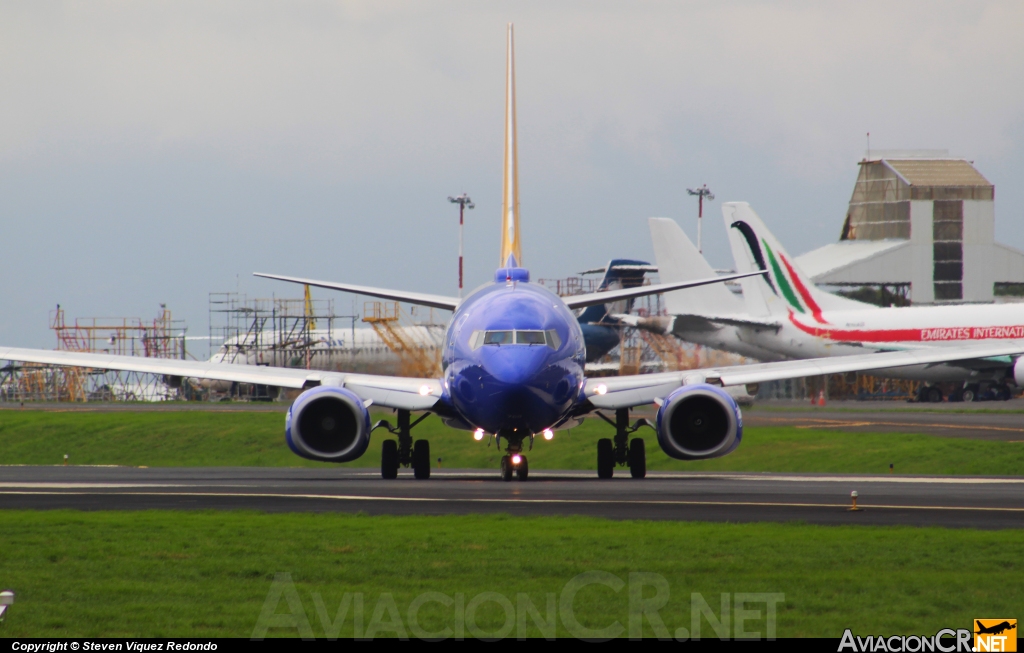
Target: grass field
{"x": 200, "y": 574}
{"x": 187, "y": 438}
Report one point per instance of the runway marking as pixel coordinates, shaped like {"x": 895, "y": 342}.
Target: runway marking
{"x": 952, "y": 480}
{"x": 878, "y": 479}
{"x": 539, "y": 475}
{"x": 353, "y": 497}
{"x": 823, "y": 423}
{"x": 98, "y": 486}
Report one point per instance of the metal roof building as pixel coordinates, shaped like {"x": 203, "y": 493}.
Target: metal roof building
{"x": 921, "y": 220}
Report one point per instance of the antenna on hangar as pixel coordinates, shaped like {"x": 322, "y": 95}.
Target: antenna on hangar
{"x": 701, "y": 193}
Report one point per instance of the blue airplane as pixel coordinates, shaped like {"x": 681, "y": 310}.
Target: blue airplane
{"x": 513, "y": 361}
{"x": 600, "y": 330}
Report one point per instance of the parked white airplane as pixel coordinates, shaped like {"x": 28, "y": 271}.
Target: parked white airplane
{"x": 348, "y": 350}
{"x": 783, "y": 315}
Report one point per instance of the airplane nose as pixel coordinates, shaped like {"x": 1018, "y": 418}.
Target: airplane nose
{"x": 514, "y": 365}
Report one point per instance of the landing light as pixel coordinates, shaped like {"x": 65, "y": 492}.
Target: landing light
{"x": 548, "y": 434}
{"x": 601, "y": 389}
{"x": 478, "y": 435}
{"x": 516, "y": 459}
{"x": 425, "y": 390}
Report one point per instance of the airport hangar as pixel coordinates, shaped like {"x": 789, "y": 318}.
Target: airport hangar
{"x": 921, "y": 223}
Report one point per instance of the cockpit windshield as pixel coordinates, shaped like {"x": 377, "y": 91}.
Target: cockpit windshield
{"x": 525, "y": 337}
{"x": 530, "y": 338}
{"x": 498, "y": 337}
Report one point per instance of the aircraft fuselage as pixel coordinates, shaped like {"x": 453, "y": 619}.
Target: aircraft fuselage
{"x": 513, "y": 359}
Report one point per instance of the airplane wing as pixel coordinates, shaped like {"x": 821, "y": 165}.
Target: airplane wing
{"x": 589, "y": 299}
{"x": 422, "y": 299}
{"x": 765, "y": 324}
{"x": 636, "y": 390}
{"x": 385, "y": 391}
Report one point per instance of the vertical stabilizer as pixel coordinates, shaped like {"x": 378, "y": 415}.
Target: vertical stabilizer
{"x": 511, "y": 252}
{"x": 618, "y": 274}
{"x": 679, "y": 260}
{"x": 785, "y": 288}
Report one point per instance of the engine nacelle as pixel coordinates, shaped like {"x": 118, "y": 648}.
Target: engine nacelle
{"x": 1018, "y": 372}
{"x": 699, "y": 421}
{"x": 328, "y": 423}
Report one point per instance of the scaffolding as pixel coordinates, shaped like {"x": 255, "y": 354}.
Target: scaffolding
{"x": 279, "y": 332}
{"x": 417, "y": 344}
{"x": 163, "y": 337}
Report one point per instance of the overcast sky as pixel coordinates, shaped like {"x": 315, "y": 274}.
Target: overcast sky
{"x": 156, "y": 152}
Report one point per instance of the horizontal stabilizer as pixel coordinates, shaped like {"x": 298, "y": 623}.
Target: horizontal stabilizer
{"x": 419, "y": 298}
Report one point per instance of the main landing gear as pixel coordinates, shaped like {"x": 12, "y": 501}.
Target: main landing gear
{"x": 404, "y": 452}
{"x": 622, "y": 450}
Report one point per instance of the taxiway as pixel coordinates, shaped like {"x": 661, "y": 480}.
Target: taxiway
{"x": 978, "y": 502}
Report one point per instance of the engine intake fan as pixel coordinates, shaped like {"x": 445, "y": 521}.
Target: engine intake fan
{"x": 699, "y": 421}
{"x": 328, "y": 423}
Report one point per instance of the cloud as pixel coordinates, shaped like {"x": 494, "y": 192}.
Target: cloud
{"x": 365, "y": 88}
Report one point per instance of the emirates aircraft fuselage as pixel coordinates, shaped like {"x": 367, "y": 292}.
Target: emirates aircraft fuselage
{"x": 841, "y": 333}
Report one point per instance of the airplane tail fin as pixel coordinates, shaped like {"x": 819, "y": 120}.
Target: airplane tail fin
{"x": 785, "y": 288}
{"x": 618, "y": 274}
{"x": 511, "y": 251}
{"x": 679, "y": 260}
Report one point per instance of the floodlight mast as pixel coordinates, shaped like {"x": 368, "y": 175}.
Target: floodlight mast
{"x": 464, "y": 203}
{"x": 701, "y": 193}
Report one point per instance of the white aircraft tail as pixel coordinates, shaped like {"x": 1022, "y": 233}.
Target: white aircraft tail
{"x": 679, "y": 260}
{"x": 785, "y": 288}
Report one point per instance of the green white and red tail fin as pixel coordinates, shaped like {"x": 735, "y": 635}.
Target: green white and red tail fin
{"x": 785, "y": 289}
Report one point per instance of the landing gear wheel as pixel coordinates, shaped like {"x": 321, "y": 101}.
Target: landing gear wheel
{"x": 605, "y": 458}
{"x": 637, "y": 458}
{"x": 934, "y": 395}
{"x": 1003, "y": 392}
{"x": 506, "y": 468}
{"x": 970, "y": 393}
{"x": 389, "y": 459}
{"x": 522, "y": 469}
{"x": 421, "y": 459}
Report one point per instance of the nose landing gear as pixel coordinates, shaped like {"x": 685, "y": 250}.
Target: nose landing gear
{"x": 622, "y": 451}
{"x": 516, "y": 464}
{"x": 513, "y": 463}
{"x": 404, "y": 452}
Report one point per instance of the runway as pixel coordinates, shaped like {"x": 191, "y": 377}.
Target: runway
{"x": 737, "y": 497}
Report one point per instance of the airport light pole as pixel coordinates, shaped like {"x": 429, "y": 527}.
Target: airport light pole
{"x": 701, "y": 193}
{"x": 464, "y": 203}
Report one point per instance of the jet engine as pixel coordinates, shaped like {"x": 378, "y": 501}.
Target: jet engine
{"x": 328, "y": 423}
{"x": 1018, "y": 372}
{"x": 699, "y": 421}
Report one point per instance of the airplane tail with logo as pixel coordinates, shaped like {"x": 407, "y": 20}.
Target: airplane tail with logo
{"x": 785, "y": 288}
{"x": 618, "y": 274}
